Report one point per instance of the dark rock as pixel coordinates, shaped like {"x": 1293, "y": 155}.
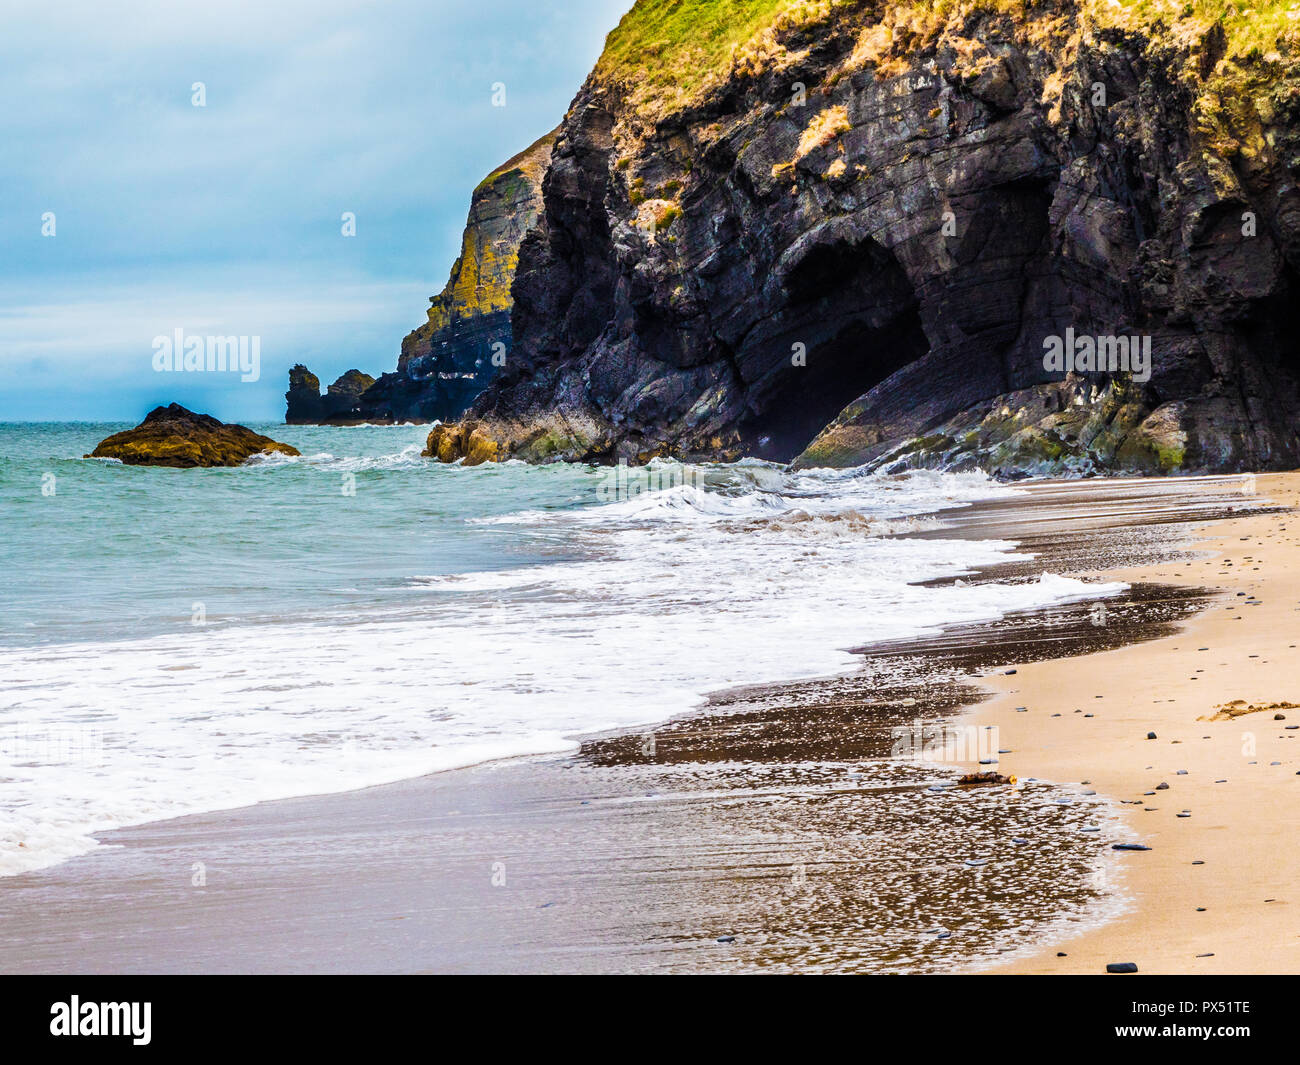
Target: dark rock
{"x": 1151, "y": 735}
{"x": 1129, "y": 847}
{"x": 798, "y": 297}
{"x": 175, "y": 436}
{"x": 1122, "y": 967}
{"x": 975, "y": 779}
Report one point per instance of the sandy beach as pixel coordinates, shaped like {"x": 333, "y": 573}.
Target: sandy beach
{"x": 769, "y": 831}
{"x": 1217, "y": 891}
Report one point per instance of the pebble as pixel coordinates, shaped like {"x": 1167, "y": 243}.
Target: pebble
{"x": 1151, "y": 735}
{"x": 1205, "y": 955}
{"x": 1019, "y": 839}
{"x": 972, "y": 862}
{"x": 1279, "y": 717}
{"x": 1162, "y": 786}
{"x": 1129, "y": 847}
{"x": 1198, "y": 862}
{"x": 726, "y": 939}
{"x": 1182, "y": 772}
{"x": 1061, "y": 954}
{"x": 1010, "y": 673}
{"x": 1122, "y": 967}
{"x": 988, "y": 761}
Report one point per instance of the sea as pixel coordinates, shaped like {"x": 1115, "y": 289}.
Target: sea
{"x": 180, "y": 641}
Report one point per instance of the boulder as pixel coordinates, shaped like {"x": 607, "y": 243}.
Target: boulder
{"x": 175, "y": 436}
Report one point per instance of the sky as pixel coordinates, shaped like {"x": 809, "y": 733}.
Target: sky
{"x": 128, "y": 212}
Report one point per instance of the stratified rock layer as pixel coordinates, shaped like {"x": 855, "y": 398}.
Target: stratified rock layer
{"x": 176, "y": 436}
{"x": 851, "y": 247}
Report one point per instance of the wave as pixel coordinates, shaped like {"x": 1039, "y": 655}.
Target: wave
{"x": 744, "y": 574}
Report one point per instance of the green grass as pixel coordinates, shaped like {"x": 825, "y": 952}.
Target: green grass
{"x": 665, "y": 53}
{"x": 669, "y": 49}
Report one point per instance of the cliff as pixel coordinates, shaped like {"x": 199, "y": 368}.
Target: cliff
{"x": 449, "y": 359}
{"x": 851, "y": 232}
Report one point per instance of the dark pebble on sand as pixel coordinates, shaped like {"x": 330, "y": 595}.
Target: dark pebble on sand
{"x": 1061, "y": 954}
{"x": 1011, "y": 673}
{"x": 1129, "y": 847}
{"x": 1162, "y": 786}
{"x": 1151, "y": 735}
{"x": 1122, "y": 967}
{"x": 1279, "y": 717}
{"x": 1205, "y": 955}
{"x": 726, "y": 939}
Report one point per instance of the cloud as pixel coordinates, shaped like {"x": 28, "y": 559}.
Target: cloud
{"x": 312, "y": 109}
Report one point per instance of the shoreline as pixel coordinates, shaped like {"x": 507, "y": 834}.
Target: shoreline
{"x": 699, "y": 834}
{"x": 1216, "y": 893}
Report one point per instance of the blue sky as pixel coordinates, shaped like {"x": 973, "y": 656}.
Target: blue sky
{"x": 225, "y": 219}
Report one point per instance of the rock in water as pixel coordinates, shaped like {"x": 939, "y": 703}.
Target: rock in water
{"x": 466, "y": 441}
{"x": 175, "y": 436}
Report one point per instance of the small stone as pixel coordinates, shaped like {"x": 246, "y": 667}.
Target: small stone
{"x": 1129, "y": 847}
{"x": 726, "y": 939}
{"x": 1122, "y": 967}
{"x": 1151, "y": 735}
{"x": 1162, "y": 786}
{"x": 1211, "y": 955}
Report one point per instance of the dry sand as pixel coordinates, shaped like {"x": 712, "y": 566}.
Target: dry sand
{"x": 1239, "y": 911}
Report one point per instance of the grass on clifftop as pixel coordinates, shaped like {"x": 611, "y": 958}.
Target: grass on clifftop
{"x": 667, "y": 53}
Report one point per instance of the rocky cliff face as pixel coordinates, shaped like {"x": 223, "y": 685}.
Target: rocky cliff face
{"x": 849, "y": 233}
{"x": 450, "y": 359}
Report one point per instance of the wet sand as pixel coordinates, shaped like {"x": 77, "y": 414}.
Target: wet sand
{"x": 773, "y": 830}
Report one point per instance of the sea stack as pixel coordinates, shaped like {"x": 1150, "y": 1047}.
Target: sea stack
{"x": 175, "y": 436}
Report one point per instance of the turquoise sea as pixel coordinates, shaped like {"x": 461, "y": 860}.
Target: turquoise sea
{"x": 173, "y": 641}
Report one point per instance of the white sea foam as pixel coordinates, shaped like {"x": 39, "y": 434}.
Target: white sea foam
{"x": 760, "y": 576}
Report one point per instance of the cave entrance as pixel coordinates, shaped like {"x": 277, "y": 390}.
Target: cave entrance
{"x": 852, "y": 308}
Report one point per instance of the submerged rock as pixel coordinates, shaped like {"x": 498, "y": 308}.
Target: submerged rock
{"x": 176, "y": 436}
